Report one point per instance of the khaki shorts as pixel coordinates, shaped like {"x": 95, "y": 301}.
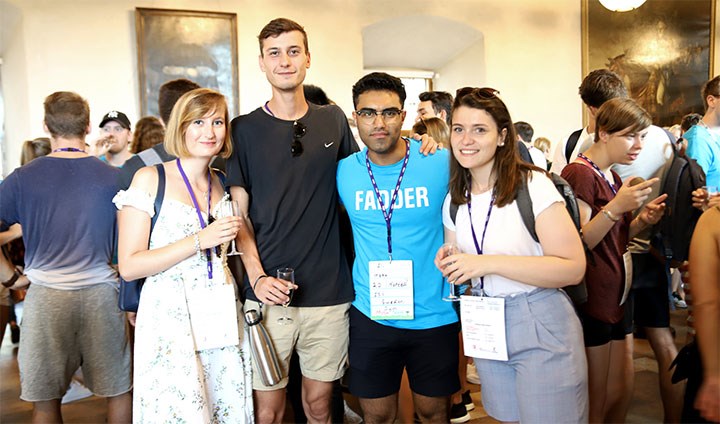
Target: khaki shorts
{"x": 64, "y": 329}
{"x": 318, "y": 334}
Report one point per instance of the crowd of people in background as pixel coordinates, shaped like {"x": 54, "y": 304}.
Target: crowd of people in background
{"x": 429, "y": 259}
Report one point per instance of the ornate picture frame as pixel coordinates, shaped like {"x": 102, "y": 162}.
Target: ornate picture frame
{"x": 663, "y": 50}
{"x": 199, "y": 46}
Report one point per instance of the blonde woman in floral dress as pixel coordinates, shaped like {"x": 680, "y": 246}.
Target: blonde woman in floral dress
{"x": 192, "y": 357}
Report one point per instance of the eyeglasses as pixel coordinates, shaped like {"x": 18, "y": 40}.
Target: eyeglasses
{"x": 483, "y": 93}
{"x": 299, "y": 130}
{"x": 388, "y": 115}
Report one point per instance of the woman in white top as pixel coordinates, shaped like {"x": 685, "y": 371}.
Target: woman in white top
{"x": 192, "y": 358}
{"x": 544, "y": 375}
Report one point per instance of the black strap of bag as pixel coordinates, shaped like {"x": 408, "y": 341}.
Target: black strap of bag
{"x": 129, "y": 297}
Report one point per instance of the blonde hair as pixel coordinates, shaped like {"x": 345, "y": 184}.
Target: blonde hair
{"x": 195, "y": 104}
{"x": 543, "y": 144}
{"x": 434, "y": 127}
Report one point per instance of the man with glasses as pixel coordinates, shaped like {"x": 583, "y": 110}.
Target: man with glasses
{"x": 282, "y": 172}
{"x": 704, "y": 138}
{"x": 116, "y": 136}
{"x": 394, "y": 197}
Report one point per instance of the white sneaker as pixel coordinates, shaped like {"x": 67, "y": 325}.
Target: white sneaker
{"x": 76, "y": 391}
{"x": 471, "y": 375}
{"x": 351, "y": 417}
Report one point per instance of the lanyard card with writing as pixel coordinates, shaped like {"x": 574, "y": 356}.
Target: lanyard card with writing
{"x": 213, "y": 316}
{"x": 391, "y": 290}
{"x": 483, "y": 324}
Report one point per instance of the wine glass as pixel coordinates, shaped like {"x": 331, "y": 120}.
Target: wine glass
{"x": 231, "y": 208}
{"x": 286, "y": 274}
{"x": 447, "y": 250}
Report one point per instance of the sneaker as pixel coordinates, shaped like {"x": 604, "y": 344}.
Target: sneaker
{"x": 459, "y": 414}
{"x": 351, "y": 417}
{"x": 678, "y": 301}
{"x": 467, "y": 401}
{"x": 471, "y": 375}
{"x": 76, "y": 391}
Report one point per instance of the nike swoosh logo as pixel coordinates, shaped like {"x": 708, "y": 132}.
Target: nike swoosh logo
{"x": 329, "y": 144}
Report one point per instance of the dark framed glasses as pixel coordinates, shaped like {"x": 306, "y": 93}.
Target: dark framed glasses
{"x": 483, "y": 93}
{"x": 299, "y": 130}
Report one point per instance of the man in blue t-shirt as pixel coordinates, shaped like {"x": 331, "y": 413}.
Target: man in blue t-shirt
{"x": 63, "y": 201}
{"x": 394, "y": 195}
{"x": 704, "y": 138}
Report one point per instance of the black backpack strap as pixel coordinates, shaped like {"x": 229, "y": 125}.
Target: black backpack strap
{"x": 453, "y": 211}
{"x": 159, "y": 195}
{"x": 525, "y": 206}
{"x": 571, "y": 143}
{"x": 524, "y": 152}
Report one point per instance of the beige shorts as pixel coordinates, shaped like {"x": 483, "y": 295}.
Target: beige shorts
{"x": 64, "y": 329}
{"x": 318, "y": 334}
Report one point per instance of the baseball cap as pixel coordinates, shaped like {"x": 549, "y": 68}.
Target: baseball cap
{"x": 116, "y": 116}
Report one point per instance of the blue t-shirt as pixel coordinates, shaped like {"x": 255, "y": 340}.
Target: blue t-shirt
{"x": 704, "y": 147}
{"x": 68, "y": 220}
{"x": 417, "y": 229}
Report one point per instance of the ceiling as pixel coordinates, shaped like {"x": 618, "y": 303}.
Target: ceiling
{"x": 435, "y": 41}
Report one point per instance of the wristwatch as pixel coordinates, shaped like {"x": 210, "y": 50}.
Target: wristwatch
{"x": 9, "y": 283}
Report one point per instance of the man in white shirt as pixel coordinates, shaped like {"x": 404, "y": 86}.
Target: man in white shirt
{"x": 597, "y": 87}
{"x": 525, "y": 134}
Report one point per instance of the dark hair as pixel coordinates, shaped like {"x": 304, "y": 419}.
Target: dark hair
{"x": 67, "y": 115}
{"x": 379, "y": 81}
{"x": 280, "y": 26}
{"x": 617, "y": 115}
{"x": 32, "y": 149}
{"x": 524, "y": 130}
{"x": 711, "y": 88}
{"x": 149, "y": 131}
{"x": 600, "y": 86}
{"x": 689, "y": 120}
{"x": 441, "y": 100}
{"x": 508, "y": 168}
{"x": 169, "y": 94}
{"x": 316, "y": 95}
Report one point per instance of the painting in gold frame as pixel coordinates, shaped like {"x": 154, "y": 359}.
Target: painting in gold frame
{"x": 663, "y": 50}
{"x": 199, "y": 46}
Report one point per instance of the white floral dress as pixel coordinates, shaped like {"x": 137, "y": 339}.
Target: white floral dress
{"x": 172, "y": 381}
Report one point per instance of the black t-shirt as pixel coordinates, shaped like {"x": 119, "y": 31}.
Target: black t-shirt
{"x": 293, "y": 200}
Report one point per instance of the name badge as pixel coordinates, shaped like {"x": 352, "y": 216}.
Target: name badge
{"x": 213, "y": 317}
{"x": 483, "y": 327}
{"x": 391, "y": 290}
{"x": 627, "y": 262}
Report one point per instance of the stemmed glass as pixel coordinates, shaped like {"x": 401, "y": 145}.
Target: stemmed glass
{"x": 231, "y": 208}
{"x": 286, "y": 274}
{"x": 447, "y": 250}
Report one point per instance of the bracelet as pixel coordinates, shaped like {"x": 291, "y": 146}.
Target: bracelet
{"x": 610, "y": 215}
{"x": 257, "y": 280}
{"x": 196, "y": 244}
{"x": 9, "y": 283}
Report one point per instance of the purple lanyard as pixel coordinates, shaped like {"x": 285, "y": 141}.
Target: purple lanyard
{"x": 479, "y": 247}
{"x": 68, "y": 149}
{"x": 597, "y": 168}
{"x": 208, "y": 252}
{"x": 387, "y": 214}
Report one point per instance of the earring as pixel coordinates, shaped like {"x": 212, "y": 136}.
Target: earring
{"x": 501, "y": 144}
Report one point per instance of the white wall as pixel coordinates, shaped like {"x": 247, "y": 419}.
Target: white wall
{"x": 531, "y": 53}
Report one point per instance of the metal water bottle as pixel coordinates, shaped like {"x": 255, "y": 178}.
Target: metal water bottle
{"x": 263, "y": 351}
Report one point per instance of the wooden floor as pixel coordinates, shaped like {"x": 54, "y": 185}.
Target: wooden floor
{"x": 645, "y": 408}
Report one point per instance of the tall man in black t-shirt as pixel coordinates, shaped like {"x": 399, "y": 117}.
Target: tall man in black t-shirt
{"x": 282, "y": 172}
